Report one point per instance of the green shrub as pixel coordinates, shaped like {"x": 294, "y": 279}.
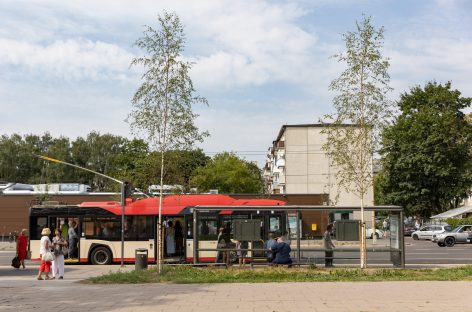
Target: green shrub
{"x": 191, "y": 275}
{"x": 455, "y": 222}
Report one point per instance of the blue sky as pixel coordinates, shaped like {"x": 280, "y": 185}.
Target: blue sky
{"x": 64, "y": 65}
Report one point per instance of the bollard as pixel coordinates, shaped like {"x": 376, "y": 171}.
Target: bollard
{"x": 141, "y": 255}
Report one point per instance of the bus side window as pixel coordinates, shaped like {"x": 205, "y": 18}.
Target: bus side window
{"x": 207, "y": 228}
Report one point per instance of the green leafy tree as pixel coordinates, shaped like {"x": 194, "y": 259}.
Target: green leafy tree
{"x": 10, "y": 151}
{"x": 17, "y": 163}
{"x": 97, "y": 152}
{"x": 228, "y": 174}
{"x": 427, "y": 151}
{"x": 162, "y": 105}
{"x": 132, "y": 164}
{"x": 362, "y": 110}
{"x": 53, "y": 173}
{"x": 182, "y": 165}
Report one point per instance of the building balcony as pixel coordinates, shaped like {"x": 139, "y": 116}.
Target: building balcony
{"x": 280, "y": 163}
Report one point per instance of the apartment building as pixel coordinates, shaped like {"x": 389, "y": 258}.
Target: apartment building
{"x": 297, "y": 164}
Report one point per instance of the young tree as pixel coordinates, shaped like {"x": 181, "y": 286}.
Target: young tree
{"x": 162, "y": 105}
{"x": 228, "y": 174}
{"x": 362, "y": 110}
{"x": 426, "y": 153}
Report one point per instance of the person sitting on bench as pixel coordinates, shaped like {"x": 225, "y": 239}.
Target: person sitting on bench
{"x": 282, "y": 253}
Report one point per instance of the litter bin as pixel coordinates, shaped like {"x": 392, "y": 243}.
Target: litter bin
{"x": 141, "y": 255}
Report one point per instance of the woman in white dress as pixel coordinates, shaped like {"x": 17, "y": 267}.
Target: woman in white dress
{"x": 170, "y": 239}
{"x": 59, "y": 246}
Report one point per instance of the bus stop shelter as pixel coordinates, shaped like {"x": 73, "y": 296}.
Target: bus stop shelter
{"x": 302, "y": 251}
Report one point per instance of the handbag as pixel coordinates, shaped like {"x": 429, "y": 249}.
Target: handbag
{"x": 15, "y": 262}
{"x": 28, "y": 254}
{"x": 48, "y": 256}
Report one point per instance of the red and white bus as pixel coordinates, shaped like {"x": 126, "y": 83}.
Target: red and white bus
{"x": 98, "y": 225}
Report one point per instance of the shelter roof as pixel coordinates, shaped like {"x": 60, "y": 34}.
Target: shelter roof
{"x": 453, "y": 212}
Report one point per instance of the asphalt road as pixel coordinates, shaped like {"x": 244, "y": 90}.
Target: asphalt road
{"x": 426, "y": 252}
{"x": 418, "y": 253}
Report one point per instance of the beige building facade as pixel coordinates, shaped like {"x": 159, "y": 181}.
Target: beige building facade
{"x": 297, "y": 164}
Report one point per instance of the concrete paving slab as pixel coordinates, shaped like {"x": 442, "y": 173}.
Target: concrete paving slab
{"x": 19, "y": 291}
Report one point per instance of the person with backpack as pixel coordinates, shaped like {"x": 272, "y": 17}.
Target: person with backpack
{"x": 21, "y": 246}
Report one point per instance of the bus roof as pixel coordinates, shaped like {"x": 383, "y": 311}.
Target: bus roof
{"x": 176, "y": 204}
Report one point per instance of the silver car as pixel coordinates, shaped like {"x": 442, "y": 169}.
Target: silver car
{"x": 459, "y": 235}
{"x": 427, "y": 231}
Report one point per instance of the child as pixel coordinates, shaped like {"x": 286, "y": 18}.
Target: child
{"x": 241, "y": 253}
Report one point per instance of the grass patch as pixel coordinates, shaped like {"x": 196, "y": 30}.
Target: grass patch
{"x": 191, "y": 275}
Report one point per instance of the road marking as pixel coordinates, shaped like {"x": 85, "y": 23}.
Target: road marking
{"x": 426, "y": 253}
{"x": 408, "y": 259}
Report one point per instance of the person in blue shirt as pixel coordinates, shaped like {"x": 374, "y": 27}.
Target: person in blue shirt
{"x": 270, "y": 242}
{"x": 282, "y": 253}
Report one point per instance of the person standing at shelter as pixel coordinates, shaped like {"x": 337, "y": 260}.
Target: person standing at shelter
{"x": 328, "y": 246}
{"x": 58, "y": 263}
{"x": 241, "y": 252}
{"x": 21, "y": 246}
{"x": 73, "y": 238}
{"x": 223, "y": 242}
{"x": 170, "y": 239}
{"x": 179, "y": 238}
{"x": 385, "y": 227}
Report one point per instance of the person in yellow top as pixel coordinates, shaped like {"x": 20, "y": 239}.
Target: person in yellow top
{"x": 65, "y": 229}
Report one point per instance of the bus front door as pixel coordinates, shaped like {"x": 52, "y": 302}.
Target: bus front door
{"x": 68, "y": 226}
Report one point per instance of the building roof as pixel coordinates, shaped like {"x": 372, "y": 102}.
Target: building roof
{"x": 453, "y": 213}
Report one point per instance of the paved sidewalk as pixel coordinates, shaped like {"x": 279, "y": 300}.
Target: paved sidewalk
{"x": 19, "y": 291}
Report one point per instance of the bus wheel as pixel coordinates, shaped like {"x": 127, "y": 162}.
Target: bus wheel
{"x": 100, "y": 255}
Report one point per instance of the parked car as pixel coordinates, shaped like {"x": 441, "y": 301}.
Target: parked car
{"x": 459, "y": 235}
{"x": 378, "y": 233}
{"x": 427, "y": 231}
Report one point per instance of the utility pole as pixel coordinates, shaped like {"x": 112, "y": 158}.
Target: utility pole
{"x": 123, "y": 196}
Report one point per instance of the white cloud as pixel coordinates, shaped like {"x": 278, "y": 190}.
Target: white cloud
{"x": 72, "y": 59}
{"x": 238, "y": 43}
{"x": 417, "y": 61}
{"x": 255, "y": 43}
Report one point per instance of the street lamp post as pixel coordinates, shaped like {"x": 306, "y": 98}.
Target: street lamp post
{"x": 123, "y": 199}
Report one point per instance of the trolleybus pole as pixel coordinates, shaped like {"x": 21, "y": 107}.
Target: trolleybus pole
{"x": 298, "y": 237}
{"x": 123, "y": 189}
{"x": 195, "y": 237}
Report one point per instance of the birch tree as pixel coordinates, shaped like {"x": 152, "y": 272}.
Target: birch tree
{"x": 362, "y": 110}
{"x": 162, "y": 105}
